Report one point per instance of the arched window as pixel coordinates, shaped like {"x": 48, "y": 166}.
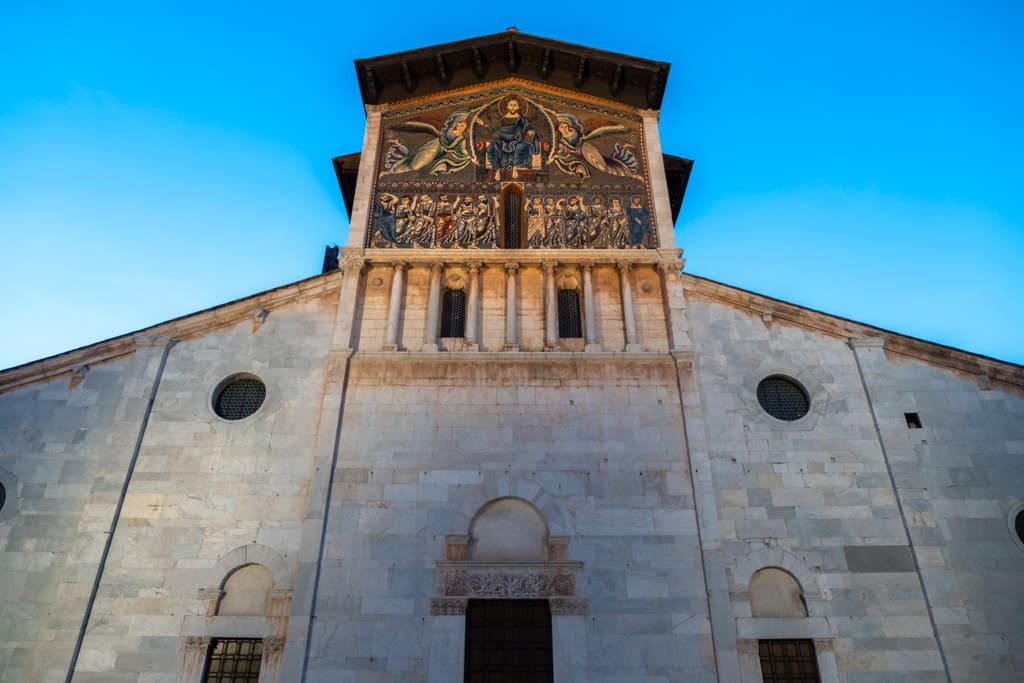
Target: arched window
{"x": 569, "y": 318}
{"x": 775, "y": 593}
{"x": 453, "y": 313}
{"x": 245, "y": 593}
{"x": 512, "y": 217}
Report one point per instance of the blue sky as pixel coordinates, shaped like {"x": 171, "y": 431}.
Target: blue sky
{"x": 864, "y": 159}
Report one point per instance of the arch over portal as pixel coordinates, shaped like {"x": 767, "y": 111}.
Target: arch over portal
{"x": 508, "y": 529}
{"x": 246, "y": 592}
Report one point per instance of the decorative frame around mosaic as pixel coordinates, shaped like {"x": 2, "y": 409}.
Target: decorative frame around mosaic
{"x": 443, "y": 164}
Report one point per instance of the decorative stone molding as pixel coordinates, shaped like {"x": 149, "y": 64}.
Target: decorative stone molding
{"x": 455, "y": 278}
{"x": 507, "y": 580}
{"x": 350, "y": 263}
{"x": 456, "y": 548}
{"x": 273, "y": 646}
{"x": 196, "y": 645}
{"x": 568, "y": 278}
{"x": 671, "y": 265}
{"x": 763, "y": 558}
{"x": 448, "y": 607}
{"x": 567, "y": 606}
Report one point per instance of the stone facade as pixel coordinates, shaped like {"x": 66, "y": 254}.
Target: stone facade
{"x": 628, "y": 476}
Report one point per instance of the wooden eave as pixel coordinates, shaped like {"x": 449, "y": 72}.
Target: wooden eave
{"x": 425, "y": 71}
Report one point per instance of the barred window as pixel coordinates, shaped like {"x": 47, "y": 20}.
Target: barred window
{"x": 233, "y": 660}
{"x": 453, "y": 313}
{"x": 513, "y": 215}
{"x": 239, "y": 397}
{"x": 788, "y": 661}
{"x": 3, "y": 496}
{"x": 569, "y": 317}
{"x": 782, "y": 398}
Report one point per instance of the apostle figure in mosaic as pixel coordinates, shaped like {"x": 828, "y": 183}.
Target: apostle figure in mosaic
{"x": 422, "y": 233}
{"x": 574, "y": 155}
{"x": 515, "y": 144}
{"x": 535, "y": 219}
{"x": 447, "y": 152}
{"x": 639, "y": 223}
{"x": 384, "y": 216}
{"x": 576, "y": 223}
{"x": 554, "y": 227}
{"x": 600, "y": 233}
{"x": 444, "y": 219}
{"x": 618, "y": 224}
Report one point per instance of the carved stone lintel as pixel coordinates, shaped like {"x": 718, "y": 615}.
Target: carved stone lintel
{"x": 567, "y": 606}
{"x": 196, "y": 644}
{"x": 500, "y": 584}
{"x": 448, "y": 607}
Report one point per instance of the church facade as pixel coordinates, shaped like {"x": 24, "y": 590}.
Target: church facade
{"x": 505, "y": 437}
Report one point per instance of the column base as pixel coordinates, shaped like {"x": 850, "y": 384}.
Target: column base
{"x": 429, "y": 348}
{"x": 634, "y": 347}
{"x": 552, "y": 347}
{"x": 389, "y": 347}
{"x": 510, "y": 347}
{"x": 470, "y": 346}
{"x": 592, "y": 348}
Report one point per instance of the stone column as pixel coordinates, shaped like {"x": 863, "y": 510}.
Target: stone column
{"x": 550, "y": 308}
{"x": 395, "y": 307}
{"x": 627, "y": 308}
{"x": 352, "y": 272}
{"x": 511, "y": 299}
{"x": 589, "y": 324}
{"x": 473, "y": 308}
{"x": 674, "y": 302}
{"x": 433, "y": 307}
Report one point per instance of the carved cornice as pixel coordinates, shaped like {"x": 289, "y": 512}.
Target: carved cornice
{"x": 567, "y": 606}
{"x": 537, "y": 258}
{"x": 448, "y": 607}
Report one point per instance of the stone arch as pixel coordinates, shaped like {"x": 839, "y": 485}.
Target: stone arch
{"x": 508, "y": 529}
{"x": 778, "y": 558}
{"x": 276, "y": 563}
{"x": 528, "y": 490}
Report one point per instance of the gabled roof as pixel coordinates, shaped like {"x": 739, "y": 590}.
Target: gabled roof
{"x": 677, "y": 174}
{"x": 399, "y": 76}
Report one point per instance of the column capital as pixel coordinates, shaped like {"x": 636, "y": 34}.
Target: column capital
{"x": 352, "y": 263}
{"x": 474, "y": 266}
{"x": 623, "y": 266}
{"x": 586, "y": 266}
{"x": 436, "y": 267}
{"x": 399, "y": 265}
{"x": 512, "y": 266}
{"x": 549, "y": 266}
{"x": 671, "y": 265}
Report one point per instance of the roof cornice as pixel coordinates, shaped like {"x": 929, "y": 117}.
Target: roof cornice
{"x": 772, "y": 310}
{"x": 631, "y": 81}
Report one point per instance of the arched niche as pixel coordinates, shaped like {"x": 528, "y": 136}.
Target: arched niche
{"x": 246, "y": 592}
{"x": 776, "y": 593}
{"x": 508, "y": 530}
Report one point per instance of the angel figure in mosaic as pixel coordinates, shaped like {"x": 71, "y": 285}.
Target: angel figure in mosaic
{"x": 574, "y": 155}
{"x": 447, "y": 152}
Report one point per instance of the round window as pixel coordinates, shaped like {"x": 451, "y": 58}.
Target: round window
{"x": 239, "y": 397}
{"x": 782, "y": 398}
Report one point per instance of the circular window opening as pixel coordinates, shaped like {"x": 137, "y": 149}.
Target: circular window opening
{"x": 782, "y": 398}
{"x": 239, "y": 397}
{"x": 1018, "y": 525}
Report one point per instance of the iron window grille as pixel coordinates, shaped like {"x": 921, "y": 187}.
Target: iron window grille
{"x": 233, "y": 660}
{"x": 239, "y": 398}
{"x": 569, "y": 318}
{"x": 453, "y": 313}
{"x": 788, "y": 661}
{"x": 513, "y": 214}
{"x": 782, "y": 398}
